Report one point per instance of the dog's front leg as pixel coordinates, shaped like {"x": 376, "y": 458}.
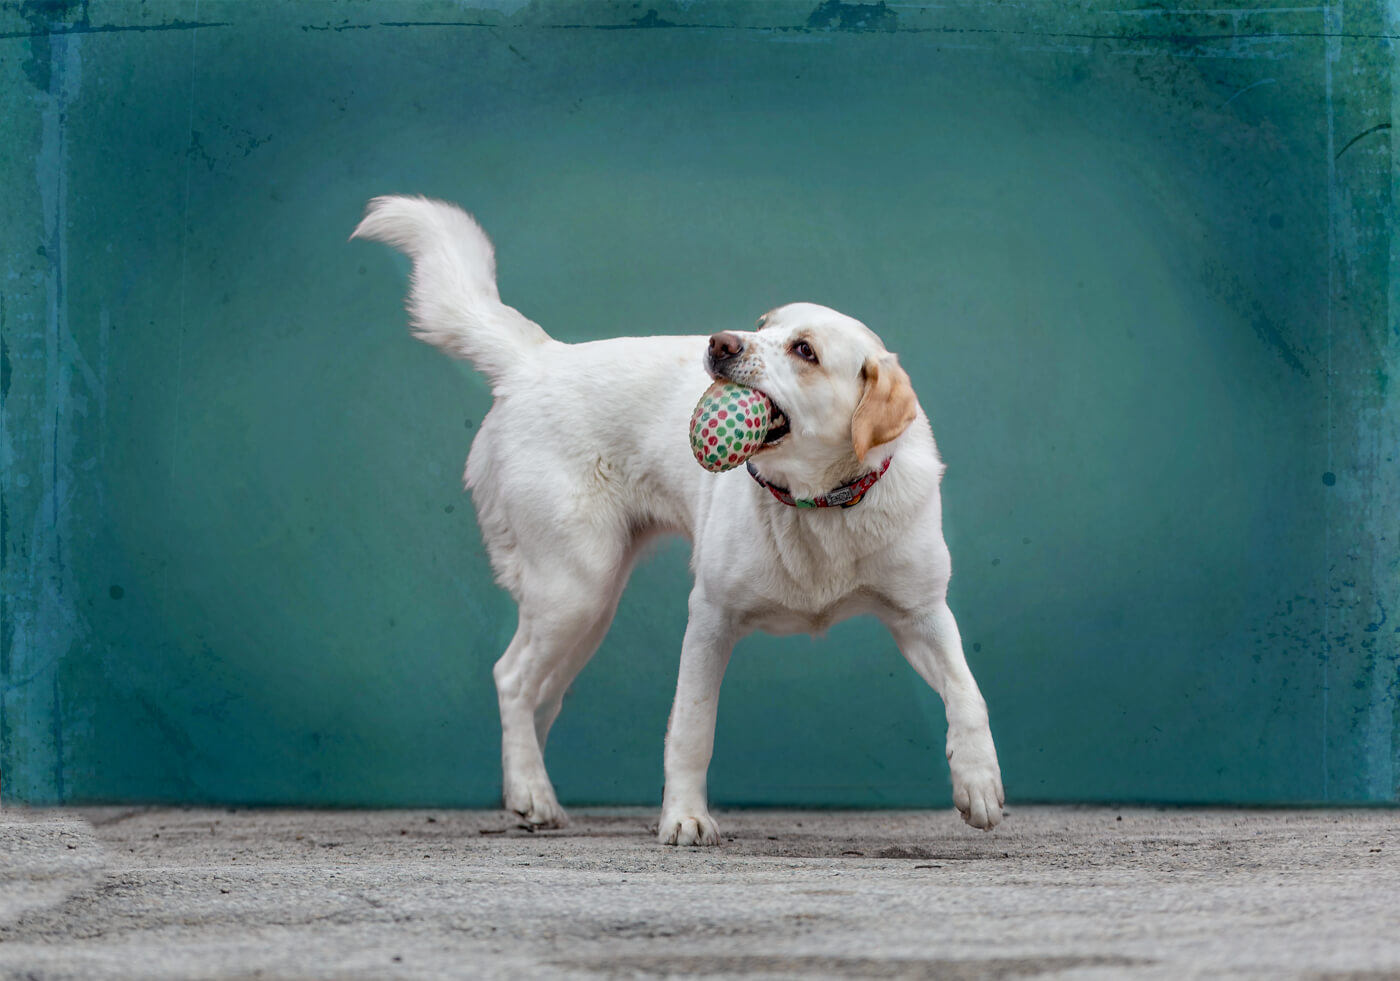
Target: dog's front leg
{"x": 930, "y": 642}
{"x": 690, "y": 735}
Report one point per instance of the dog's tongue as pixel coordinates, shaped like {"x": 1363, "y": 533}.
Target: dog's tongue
{"x": 729, "y": 425}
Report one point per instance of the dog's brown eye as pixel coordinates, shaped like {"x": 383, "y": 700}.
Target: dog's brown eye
{"x": 804, "y": 351}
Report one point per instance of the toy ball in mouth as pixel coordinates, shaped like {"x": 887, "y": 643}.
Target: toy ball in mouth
{"x": 730, "y": 424}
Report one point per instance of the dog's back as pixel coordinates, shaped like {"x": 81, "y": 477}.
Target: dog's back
{"x": 585, "y": 445}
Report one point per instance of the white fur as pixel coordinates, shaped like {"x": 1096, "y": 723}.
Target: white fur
{"x": 584, "y": 457}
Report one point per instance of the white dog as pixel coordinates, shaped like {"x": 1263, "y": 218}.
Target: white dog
{"x": 584, "y": 457}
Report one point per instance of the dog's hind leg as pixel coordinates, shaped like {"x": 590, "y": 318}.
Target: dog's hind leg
{"x": 556, "y": 686}
{"x": 558, "y": 631}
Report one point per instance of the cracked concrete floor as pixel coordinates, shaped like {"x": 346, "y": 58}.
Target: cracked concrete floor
{"x": 1055, "y": 892}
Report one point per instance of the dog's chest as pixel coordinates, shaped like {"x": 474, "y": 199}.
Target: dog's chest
{"x": 789, "y": 593}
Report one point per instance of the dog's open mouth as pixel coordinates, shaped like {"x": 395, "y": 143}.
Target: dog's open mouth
{"x": 778, "y": 425}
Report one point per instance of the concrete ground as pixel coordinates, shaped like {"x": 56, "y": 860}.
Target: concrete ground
{"x": 1055, "y": 892}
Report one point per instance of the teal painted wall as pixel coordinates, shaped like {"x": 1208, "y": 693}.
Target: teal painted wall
{"x": 1139, "y": 264}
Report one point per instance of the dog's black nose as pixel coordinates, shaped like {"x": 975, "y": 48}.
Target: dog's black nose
{"x": 724, "y": 346}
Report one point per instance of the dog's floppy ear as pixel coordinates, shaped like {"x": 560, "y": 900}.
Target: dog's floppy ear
{"x": 887, "y": 406}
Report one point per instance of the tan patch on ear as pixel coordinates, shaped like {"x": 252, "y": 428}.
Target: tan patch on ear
{"x": 887, "y": 406}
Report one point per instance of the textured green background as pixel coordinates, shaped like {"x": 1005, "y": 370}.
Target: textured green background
{"x": 1138, "y": 263}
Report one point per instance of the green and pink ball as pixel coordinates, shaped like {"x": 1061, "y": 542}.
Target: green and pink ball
{"x": 729, "y": 425}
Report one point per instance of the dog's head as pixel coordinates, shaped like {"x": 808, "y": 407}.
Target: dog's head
{"x": 837, "y": 392}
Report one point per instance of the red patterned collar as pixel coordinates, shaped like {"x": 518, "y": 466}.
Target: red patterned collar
{"x": 845, "y": 496}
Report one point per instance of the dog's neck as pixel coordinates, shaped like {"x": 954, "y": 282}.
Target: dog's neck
{"x": 809, "y": 479}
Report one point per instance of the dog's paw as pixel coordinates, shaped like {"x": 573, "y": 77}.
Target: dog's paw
{"x": 978, "y": 796}
{"x": 688, "y": 829}
{"x": 536, "y": 806}
{"x": 977, "y": 790}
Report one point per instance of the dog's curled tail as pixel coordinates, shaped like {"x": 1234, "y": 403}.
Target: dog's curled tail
{"x": 453, "y": 303}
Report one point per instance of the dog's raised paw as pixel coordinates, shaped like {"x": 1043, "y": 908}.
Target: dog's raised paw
{"x": 688, "y": 829}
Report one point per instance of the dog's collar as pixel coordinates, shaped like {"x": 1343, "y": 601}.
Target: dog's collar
{"x": 845, "y": 496}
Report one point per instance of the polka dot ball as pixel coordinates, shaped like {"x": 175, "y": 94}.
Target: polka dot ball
{"x": 729, "y": 425}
